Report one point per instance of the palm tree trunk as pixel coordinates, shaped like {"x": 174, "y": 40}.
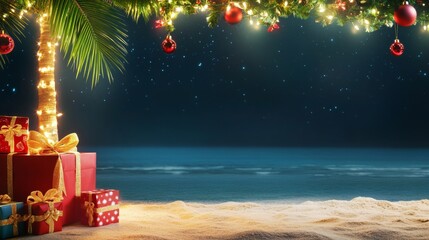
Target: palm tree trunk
{"x": 47, "y": 109}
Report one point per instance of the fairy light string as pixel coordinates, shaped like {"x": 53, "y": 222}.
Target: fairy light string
{"x": 46, "y": 110}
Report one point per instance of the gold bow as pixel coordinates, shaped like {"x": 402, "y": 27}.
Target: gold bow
{"x": 52, "y": 195}
{"x": 39, "y": 144}
{"x": 11, "y": 131}
{"x": 13, "y": 219}
{"x": 89, "y": 206}
{"x": 5, "y": 199}
{"x": 31, "y": 220}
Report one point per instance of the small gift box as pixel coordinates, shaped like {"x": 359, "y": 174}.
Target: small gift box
{"x": 100, "y": 207}
{"x": 45, "y": 212}
{"x": 12, "y": 220}
{"x": 13, "y": 134}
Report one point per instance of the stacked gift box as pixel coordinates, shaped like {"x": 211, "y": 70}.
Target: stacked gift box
{"x": 31, "y": 166}
{"x": 12, "y": 221}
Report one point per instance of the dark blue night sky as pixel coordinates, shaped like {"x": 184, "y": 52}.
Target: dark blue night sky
{"x": 304, "y": 85}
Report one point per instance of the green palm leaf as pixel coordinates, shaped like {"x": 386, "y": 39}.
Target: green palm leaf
{"x": 2, "y": 61}
{"x": 92, "y": 37}
{"x": 11, "y": 22}
{"x": 136, "y": 8}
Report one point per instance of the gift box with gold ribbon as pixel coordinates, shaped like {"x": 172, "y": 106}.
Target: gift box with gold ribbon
{"x": 100, "y": 207}
{"x": 45, "y": 212}
{"x": 49, "y": 166}
{"x": 13, "y": 134}
{"x": 12, "y": 219}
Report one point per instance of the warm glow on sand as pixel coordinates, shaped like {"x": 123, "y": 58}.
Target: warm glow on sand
{"x": 360, "y": 218}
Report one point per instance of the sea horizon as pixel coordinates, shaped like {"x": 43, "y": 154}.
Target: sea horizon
{"x": 206, "y": 174}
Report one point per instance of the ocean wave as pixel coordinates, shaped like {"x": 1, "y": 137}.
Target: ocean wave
{"x": 254, "y": 169}
{"x": 389, "y": 172}
{"x": 266, "y": 173}
{"x": 316, "y": 171}
{"x": 191, "y": 170}
{"x": 370, "y": 168}
{"x": 169, "y": 168}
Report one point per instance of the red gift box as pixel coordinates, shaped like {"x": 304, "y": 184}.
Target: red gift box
{"x": 13, "y": 134}
{"x": 45, "y": 217}
{"x": 31, "y": 172}
{"x": 100, "y": 207}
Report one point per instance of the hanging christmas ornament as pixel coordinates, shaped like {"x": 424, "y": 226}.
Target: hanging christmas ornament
{"x": 397, "y": 48}
{"x": 6, "y": 43}
{"x": 405, "y": 15}
{"x": 168, "y": 45}
{"x": 233, "y": 14}
{"x": 198, "y": 2}
{"x": 159, "y": 23}
{"x": 273, "y": 27}
{"x": 341, "y": 5}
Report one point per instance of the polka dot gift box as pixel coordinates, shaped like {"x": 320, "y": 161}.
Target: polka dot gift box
{"x": 100, "y": 207}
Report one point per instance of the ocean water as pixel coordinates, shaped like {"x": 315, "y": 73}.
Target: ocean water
{"x": 263, "y": 174}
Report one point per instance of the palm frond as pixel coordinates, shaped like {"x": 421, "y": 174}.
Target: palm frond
{"x": 11, "y": 19}
{"x": 12, "y": 22}
{"x": 38, "y": 6}
{"x": 2, "y": 61}
{"x": 92, "y": 37}
{"x": 136, "y": 8}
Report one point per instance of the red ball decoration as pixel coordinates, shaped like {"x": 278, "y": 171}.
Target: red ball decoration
{"x": 397, "y": 48}
{"x": 405, "y": 15}
{"x": 6, "y": 44}
{"x": 273, "y": 27}
{"x": 233, "y": 15}
{"x": 168, "y": 45}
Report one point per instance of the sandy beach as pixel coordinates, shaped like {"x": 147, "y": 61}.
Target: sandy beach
{"x": 360, "y": 218}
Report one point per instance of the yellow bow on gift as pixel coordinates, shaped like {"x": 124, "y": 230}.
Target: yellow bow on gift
{"x": 10, "y": 131}
{"x": 12, "y": 220}
{"x": 89, "y": 206}
{"x": 52, "y": 215}
{"x": 39, "y": 144}
{"x": 52, "y": 195}
{"x": 5, "y": 199}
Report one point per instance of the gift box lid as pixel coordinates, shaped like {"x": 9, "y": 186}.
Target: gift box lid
{"x": 41, "y": 208}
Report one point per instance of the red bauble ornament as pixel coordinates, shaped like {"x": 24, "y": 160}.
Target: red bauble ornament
{"x": 273, "y": 27}
{"x": 168, "y": 45}
{"x": 6, "y": 43}
{"x": 233, "y": 15}
{"x": 159, "y": 23}
{"x": 397, "y": 48}
{"x": 405, "y": 15}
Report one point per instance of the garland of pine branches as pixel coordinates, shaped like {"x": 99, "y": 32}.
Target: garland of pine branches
{"x": 370, "y": 15}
